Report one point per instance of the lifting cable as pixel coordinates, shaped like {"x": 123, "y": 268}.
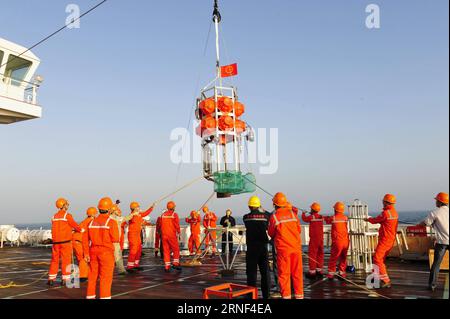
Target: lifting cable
{"x": 56, "y": 32}
{"x": 208, "y": 200}
{"x": 265, "y": 191}
{"x": 179, "y": 189}
{"x": 305, "y": 255}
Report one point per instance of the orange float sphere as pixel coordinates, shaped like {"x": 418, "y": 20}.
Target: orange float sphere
{"x": 208, "y": 122}
{"x": 226, "y": 123}
{"x": 226, "y": 104}
{"x": 241, "y": 126}
{"x": 239, "y": 109}
{"x": 208, "y": 106}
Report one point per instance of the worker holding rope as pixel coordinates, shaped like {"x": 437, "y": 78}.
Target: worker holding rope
{"x": 194, "y": 220}
{"x": 103, "y": 233}
{"x": 210, "y": 221}
{"x": 116, "y": 215}
{"x": 387, "y": 233}
{"x": 438, "y": 220}
{"x": 256, "y": 223}
{"x": 134, "y": 236}
{"x": 77, "y": 243}
{"x": 62, "y": 226}
{"x": 285, "y": 229}
{"x": 339, "y": 242}
{"x": 315, "y": 250}
{"x": 170, "y": 231}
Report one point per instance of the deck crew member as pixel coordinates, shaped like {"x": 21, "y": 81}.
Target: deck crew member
{"x": 387, "y": 233}
{"x": 194, "y": 220}
{"x": 62, "y": 226}
{"x": 438, "y": 220}
{"x": 339, "y": 241}
{"x": 158, "y": 244}
{"x": 315, "y": 250}
{"x": 256, "y": 222}
{"x": 103, "y": 233}
{"x": 77, "y": 243}
{"x": 116, "y": 215}
{"x": 285, "y": 229}
{"x": 210, "y": 221}
{"x": 227, "y": 221}
{"x": 134, "y": 236}
{"x": 170, "y": 231}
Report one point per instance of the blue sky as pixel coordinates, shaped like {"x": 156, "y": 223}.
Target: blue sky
{"x": 360, "y": 112}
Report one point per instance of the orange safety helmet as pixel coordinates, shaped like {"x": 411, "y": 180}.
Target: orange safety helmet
{"x": 316, "y": 207}
{"x": 389, "y": 198}
{"x": 280, "y": 200}
{"x": 171, "y": 205}
{"x": 205, "y": 209}
{"x": 339, "y": 207}
{"x": 61, "y": 202}
{"x": 193, "y": 213}
{"x": 105, "y": 204}
{"x": 442, "y": 197}
{"x": 91, "y": 211}
{"x": 134, "y": 205}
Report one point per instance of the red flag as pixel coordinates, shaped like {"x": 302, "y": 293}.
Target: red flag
{"x": 229, "y": 70}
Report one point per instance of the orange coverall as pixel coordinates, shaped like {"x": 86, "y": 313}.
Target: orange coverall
{"x": 103, "y": 232}
{"x": 315, "y": 250}
{"x": 339, "y": 245}
{"x": 194, "y": 240}
{"x": 134, "y": 239}
{"x": 386, "y": 238}
{"x": 62, "y": 226}
{"x": 284, "y": 229}
{"x": 78, "y": 249}
{"x": 210, "y": 221}
{"x": 170, "y": 230}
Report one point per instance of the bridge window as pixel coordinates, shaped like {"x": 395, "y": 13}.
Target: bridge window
{"x": 1, "y": 57}
{"x": 17, "y": 69}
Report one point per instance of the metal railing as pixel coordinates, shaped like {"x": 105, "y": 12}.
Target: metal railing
{"x": 18, "y": 89}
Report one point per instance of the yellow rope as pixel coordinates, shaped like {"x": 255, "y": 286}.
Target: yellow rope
{"x": 352, "y": 282}
{"x": 12, "y": 284}
{"x": 179, "y": 189}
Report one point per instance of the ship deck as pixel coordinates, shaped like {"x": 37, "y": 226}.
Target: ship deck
{"x": 28, "y": 266}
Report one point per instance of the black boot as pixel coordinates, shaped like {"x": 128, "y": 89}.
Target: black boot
{"x": 177, "y": 268}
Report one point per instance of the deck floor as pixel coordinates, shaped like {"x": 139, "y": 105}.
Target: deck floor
{"x": 27, "y": 265}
